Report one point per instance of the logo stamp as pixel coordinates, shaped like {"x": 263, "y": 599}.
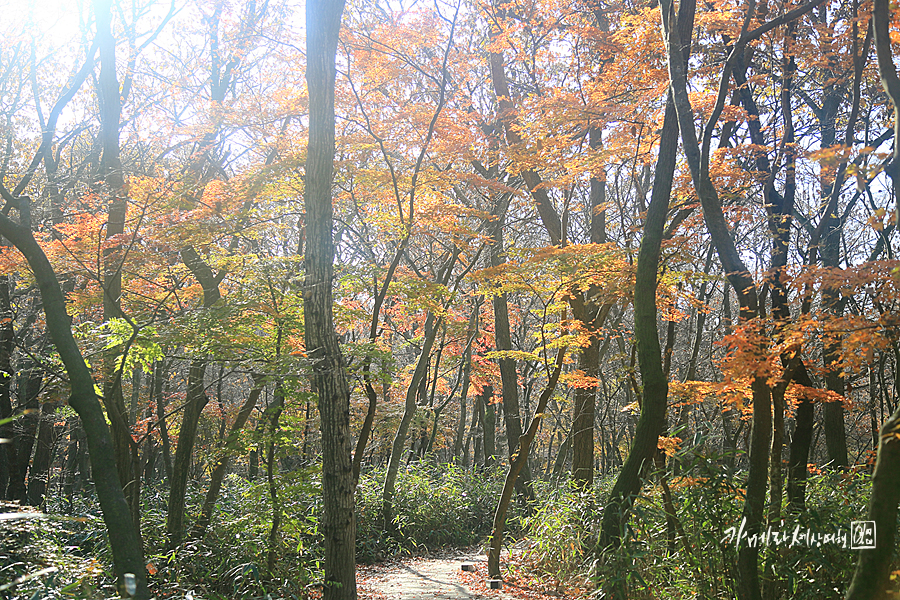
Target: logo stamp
{"x": 862, "y": 535}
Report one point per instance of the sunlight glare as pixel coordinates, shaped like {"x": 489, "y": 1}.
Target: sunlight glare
{"x": 56, "y": 21}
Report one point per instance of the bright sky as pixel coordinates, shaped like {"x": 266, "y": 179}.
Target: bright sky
{"x": 58, "y": 20}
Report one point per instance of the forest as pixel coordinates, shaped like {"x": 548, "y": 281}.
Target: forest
{"x": 605, "y": 289}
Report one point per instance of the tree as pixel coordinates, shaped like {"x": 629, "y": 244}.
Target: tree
{"x": 655, "y": 389}
{"x": 735, "y": 269}
{"x": 323, "y": 20}
{"x": 870, "y": 580}
{"x": 126, "y": 547}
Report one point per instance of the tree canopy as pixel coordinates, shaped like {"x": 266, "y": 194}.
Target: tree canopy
{"x": 272, "y": 258}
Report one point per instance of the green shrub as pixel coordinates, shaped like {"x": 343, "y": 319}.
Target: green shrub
{"x": 434, "y": 506}
{"x": 707, "y": 504}
{"x": 561, "y": 532}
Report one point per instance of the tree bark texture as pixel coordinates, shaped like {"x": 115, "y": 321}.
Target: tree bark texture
{"x": 873, "y": 569}
{"x": 329, "y": 377}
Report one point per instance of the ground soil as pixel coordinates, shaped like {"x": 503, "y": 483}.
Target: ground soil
{"x": 442, "y": 578}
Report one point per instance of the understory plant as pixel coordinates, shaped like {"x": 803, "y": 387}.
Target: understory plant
{"x": 694, "y": 554}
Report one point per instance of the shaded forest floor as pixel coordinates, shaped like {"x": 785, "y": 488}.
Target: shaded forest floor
{"x": 442, "y": 578}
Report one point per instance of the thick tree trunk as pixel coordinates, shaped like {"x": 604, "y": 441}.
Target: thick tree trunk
{"x": 489, "y": 426}
{"x": 833, "y": 412}
{"x": 592, "y": 318}
{"x": 583, "y": 417}
{"x": 873, "y": 570}
{"x": 801, "y": 441}
{"x": 329, "y": 378}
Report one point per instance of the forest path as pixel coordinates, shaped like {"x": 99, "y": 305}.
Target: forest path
{"x": 427, "y": 579}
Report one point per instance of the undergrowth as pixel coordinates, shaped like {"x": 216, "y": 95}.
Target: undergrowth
{"x": 435, "y": 506}
{"x": 653, "y": 559}
{"x": 438, "y": 506}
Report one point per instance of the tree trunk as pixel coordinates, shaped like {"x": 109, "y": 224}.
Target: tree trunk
{"x": 518, "y": 462}
{"x": 873, "y": 570}
{"x": 801, "y": 441}
{"x": 195, "y": 402}
{"x": 323, "y": 21}
{"x": 489, "y": 426}
{"x": 28, "y": 388}
{"x": 583, "y": 416}
{"x": 223, "y": 460}
{"x": 508, "y": 376}
{"x": 461, "y": 424}
{"x": 271, "y": 471}
{"x": 409, "y": 411}
{"x": 39, "y": 475}
{"x": 196, "y": 399}
{"x": 71, "y": 462}
{"x": 7, "y": 430}
{"x": 160, "y": 374}
{"x": 124, "y": 542}
{"x": 651, "y": 423}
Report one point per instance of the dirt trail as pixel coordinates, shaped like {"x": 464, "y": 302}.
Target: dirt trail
{"x": 424, "y": 579}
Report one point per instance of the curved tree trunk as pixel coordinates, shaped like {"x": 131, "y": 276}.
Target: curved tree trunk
{"x": 409, "y": 411}
{"x": 651, "y": 423}
{"x": 195, "y": 401}
{"x": 125, "y": 544}
{"x": 508, "y": 376}
{"x": 223, "y": 460}
{"x": 519, "y": 459}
